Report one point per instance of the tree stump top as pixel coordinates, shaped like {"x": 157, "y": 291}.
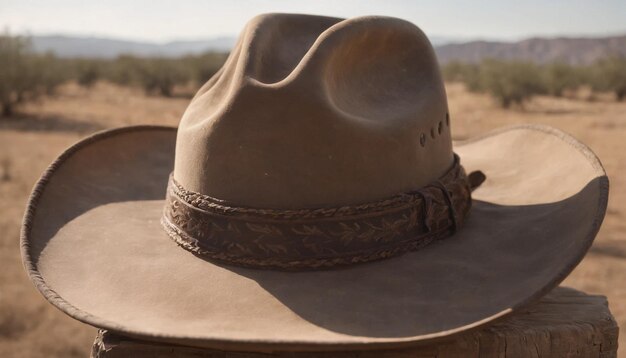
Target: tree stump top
{"x": 565, "y": 323}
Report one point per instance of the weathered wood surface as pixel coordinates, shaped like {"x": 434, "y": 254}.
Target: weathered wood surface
{"x": 565, "y": 323}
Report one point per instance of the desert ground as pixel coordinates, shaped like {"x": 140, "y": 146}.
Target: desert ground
{"x": 30, "y": 140}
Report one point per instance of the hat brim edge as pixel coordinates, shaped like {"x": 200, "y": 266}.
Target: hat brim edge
{"x": 290, "y": 345}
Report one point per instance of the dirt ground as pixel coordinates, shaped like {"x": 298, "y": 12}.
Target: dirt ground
{"x": 30, "y": 327}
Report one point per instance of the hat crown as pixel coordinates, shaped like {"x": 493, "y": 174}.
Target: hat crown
{"x": 314, "y": 111}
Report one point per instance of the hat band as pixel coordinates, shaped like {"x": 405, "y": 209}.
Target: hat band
{"x": 317, "y": 238}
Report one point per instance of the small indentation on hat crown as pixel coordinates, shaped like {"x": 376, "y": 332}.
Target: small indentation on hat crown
{"x": 423, "y": 139}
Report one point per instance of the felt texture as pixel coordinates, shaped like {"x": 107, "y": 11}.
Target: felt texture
{"x": 93, "y": 245}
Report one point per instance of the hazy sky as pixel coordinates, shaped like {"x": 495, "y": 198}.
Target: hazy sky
{"x": 156, "y": 20}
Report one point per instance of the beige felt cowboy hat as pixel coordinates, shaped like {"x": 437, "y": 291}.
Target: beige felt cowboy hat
{"x": 312, "y": 199}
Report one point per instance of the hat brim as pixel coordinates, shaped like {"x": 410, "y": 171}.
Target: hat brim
{"x": 93, "y": 246}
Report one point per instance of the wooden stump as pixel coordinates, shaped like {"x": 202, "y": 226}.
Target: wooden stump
{"x": 565, "y": 323}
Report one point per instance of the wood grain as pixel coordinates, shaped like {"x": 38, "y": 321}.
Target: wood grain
{"x": 565, "y": 323}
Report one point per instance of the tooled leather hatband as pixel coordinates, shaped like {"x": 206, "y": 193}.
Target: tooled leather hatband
{"x": 317, "y": 238}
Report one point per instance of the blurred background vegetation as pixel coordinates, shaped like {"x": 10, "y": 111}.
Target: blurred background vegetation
{"x": 26, "y": 75}
{"x": 515, "y": 82}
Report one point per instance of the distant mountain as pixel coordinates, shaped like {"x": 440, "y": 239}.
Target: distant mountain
{"x": 541, "y": 50}
{"x": 444, "y": 40}
{"x": 575, "y": 51}
{"x": 94, "y": 47}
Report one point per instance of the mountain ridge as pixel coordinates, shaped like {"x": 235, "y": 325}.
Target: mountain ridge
{"x": 102, "y": 47}
{"x": 572, "y": 50}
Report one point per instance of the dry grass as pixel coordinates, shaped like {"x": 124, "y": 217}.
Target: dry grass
{"x": 30, "y": 327}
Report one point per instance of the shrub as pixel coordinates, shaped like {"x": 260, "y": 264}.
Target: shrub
{"x": 561, "y": 77}
{"x": 124, "y": 70}
{"x": 87, "y": 71}
{"x": 160, "y": 75}
{"x": 454, "y": 71}
{"x": 53, "y": 71}
{"x": 203, "y": 67}
{"x": 11, "y": 55}
{"x": 467, "y": 73}
{"x": 610, "y": 75}
{"x": 25, "y": 75}
{"x": 154, "y": 75}
{"x": 511, "y": 82}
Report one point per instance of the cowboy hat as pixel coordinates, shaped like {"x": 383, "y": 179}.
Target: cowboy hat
{"x": 312, "y": 199}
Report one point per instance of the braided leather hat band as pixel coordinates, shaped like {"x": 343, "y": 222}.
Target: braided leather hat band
{"x": 319, "y": 237}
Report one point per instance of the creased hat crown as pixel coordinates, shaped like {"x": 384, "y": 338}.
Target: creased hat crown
{"x": 313, "y": 111}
